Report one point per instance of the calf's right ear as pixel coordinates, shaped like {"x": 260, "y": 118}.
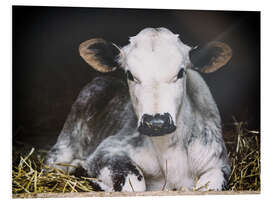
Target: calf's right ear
{"x": 100, "y": 54}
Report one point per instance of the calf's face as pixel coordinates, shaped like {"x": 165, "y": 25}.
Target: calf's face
{"x": 155, "y": 62}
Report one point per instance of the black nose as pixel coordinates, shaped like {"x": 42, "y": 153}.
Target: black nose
{"x": 157, "y": 125}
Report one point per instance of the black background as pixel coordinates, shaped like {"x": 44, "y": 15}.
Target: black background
{"x": 48, "y": 72}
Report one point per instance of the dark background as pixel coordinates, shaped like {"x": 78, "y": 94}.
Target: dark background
{"x": 48, "y": 72}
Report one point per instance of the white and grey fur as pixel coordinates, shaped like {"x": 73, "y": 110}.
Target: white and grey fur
{"x": 100, "y": 133}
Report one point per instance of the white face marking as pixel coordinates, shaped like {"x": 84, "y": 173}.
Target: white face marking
{"x": 154, "y": 57}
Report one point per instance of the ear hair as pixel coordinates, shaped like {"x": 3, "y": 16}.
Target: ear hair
{"x": 100, "y": 54}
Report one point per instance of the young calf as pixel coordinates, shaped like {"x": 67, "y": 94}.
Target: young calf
{"x": 165, "y": 134}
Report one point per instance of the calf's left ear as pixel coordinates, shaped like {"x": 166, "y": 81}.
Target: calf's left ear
{"x": 211, "y": 57}
{"x": 100, "y": 54}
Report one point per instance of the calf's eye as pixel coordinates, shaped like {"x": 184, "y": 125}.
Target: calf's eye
{"x": 181, "y": 73}
{"x": 129, "y": 76}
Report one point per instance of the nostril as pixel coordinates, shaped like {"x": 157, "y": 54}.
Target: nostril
{"x": 146, "y": 119}
{"x": 170, "y": 120}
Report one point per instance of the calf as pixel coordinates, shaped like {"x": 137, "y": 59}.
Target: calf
{"x": 165, "y": 134}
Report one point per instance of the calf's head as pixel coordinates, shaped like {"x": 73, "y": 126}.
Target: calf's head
{"x": 155, "y": 62}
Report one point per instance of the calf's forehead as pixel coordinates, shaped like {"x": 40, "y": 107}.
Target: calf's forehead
{"x": 159, "y": 52}
{"x": 142, "y": 61}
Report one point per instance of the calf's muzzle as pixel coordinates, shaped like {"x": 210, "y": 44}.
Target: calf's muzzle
{"x": 156, "y": 125}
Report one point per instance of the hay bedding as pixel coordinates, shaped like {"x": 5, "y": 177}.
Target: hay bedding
{"x": 31, "y": 177}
